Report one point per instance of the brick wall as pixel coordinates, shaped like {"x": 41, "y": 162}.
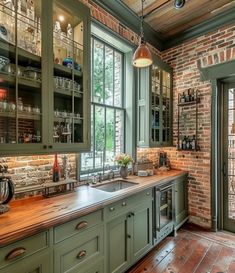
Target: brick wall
{"x": 216, "y": 47}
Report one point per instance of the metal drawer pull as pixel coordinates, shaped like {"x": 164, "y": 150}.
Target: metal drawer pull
{"x": 112, "y": 209}
{"x": 147, "y": 193}
{"x": 15, "y": 253}
{"x": 81, "y": 225}
{"x": 123, "y": 204}
{"x": 81, "y": 254}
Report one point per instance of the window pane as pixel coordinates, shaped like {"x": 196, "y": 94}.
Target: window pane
{"x": 118, "y": 80}
{"x": 108, "y": 76}
{"x": 119, "y": 131}
{"x": 109, "y": 153}
{"x": 99, "y": 136}
{"x": 98, "y": 72}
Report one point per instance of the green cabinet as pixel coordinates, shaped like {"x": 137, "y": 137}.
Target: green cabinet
{"x": 44, "y": 77}
{"x": 77, "y": 252}
{"x": 118, "y": 244}
{"x": 181, "y": 200}
{"x": 37, "y": 263}
{"x": 129, "y": 234}
{"x": 141, "y": 230}
{"x": 154, "y": 105}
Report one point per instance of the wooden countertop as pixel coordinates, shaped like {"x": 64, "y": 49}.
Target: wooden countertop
{"x": 36, "y": 216}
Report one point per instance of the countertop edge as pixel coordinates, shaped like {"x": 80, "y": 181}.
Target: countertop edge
{"x": 66, "y": 217}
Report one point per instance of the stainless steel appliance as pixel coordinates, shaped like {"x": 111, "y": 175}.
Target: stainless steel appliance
{"x": 6, "y": 189}
{"x": 163, "y": 211}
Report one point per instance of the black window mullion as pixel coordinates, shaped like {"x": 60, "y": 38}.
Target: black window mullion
{"x": 105, "y": 141}
{"x": 113, "y": 75}
{"x": 94, "y": 145}
{"x": 104, "y": 63}
{"x": 114, "y": 131}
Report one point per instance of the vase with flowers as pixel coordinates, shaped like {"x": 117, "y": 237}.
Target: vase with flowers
{"x": 123, "y": 160}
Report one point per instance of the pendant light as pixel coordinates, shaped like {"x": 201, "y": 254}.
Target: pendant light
{"x": 142, "y": 56}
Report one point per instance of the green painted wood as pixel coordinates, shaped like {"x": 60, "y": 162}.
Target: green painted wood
{"x": 96, "y": 268}
{"x": 142, "y": 230}
{"x": 66, "y": 253}
{"x": 118, "y": 244}
{"x": 37, "y": 263}
{"x": 47, "y": 146}
{"x": 144, "y": 106}
{"x": 69, "y": 229}
{"x": 31, "y": 245}
{"x": 216, "y": 74}
{"x": 181, "y": 200}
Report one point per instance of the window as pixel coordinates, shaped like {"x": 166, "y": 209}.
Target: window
{"x": 107, "y": 107}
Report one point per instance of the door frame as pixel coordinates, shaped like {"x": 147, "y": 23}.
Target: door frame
{"x": 215, "y": 74}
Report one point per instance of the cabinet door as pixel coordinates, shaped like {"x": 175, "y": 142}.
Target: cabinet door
{"x": 181, "y": 201}
{"x": 142, "y": 230}
{"x": 118, "y": 244}
{"x": 143, "y": 108}
{"x": 38, "y": 263}
{"x": 70, "y": 94}
{"x": 22, "y": 96}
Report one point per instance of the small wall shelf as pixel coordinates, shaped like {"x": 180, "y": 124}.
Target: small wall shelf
{"x": 188, "y": 137}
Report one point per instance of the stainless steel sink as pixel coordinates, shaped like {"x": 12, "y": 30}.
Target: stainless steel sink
{"x": 116, "y": 185}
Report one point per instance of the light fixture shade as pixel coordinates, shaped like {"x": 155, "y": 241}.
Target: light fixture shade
{"x": 142, "y": 56}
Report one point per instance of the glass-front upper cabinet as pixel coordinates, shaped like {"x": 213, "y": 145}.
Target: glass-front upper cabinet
{"x": 44, "y": 83}
{"x": 20, "y": 75}
{"x": 155, "y": 105}
{"x": 70, "y": 57}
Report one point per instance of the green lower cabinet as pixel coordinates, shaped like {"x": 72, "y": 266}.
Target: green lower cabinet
{"x": 78, "y": 252}
{"x": 181, "y": 201}
{"x": 129, "y": 237}
{"x": 142, "y": 230}
{"x": 96, "y": 268}
{"x": 118, "y": 244}
{"x": 37, "y": 263}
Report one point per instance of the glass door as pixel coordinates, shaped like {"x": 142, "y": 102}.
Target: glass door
{"x": 166, "y": 101}
{"x": 20, "y": 75}
{"x": 229, "y": 157}
{"x": 155, "y": 103}
{"x": 70, "y": 86}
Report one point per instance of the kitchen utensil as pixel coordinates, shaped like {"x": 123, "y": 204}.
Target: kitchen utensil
{"x": 3, "y": 62}
{"x": 6, "y": 189}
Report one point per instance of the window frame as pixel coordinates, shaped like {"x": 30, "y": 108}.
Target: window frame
{"x": 93, "y": 104}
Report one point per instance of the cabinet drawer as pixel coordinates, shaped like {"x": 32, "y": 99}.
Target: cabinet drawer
{"x": 127, "y": 204}
{"x": 79, "y": 251}
{"x": 21, "y": 249}
{"x": 77, "y": 226}
{"x": 97, "y": 267}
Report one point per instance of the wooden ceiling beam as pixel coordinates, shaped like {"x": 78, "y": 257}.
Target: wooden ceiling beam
{"x": 152, "y": 7}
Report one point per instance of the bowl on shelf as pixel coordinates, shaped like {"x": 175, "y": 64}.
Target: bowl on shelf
{"x": 32, "y": 73}
{"x": 3, "y": 62}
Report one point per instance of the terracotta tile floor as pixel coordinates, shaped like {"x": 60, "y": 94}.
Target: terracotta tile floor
{"x": 193, "y": 250}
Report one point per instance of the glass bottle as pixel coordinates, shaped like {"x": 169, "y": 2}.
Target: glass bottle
{"x": 56, "y": 170}
{"x": 184, "y": 143}
{"x": 193, "y": 143}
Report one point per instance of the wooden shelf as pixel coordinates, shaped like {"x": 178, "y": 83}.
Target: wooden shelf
{"x": 9, "y": 50}
{"x": 21, "y": 115}
{"x": 22, "y": 81}
{"x": 188, "y": 150}
{"x": 68, "y": 119}
{"x": 68, "y": 93}
{"x": 63, "y": 71}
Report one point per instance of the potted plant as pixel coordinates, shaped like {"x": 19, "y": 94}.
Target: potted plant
{"x": 123, "y": 161}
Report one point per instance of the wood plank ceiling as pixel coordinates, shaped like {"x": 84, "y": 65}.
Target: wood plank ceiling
{"x": 170, "y": 22}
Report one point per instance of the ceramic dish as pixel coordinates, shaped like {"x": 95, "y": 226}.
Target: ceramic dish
{"x": 3, "y": 62}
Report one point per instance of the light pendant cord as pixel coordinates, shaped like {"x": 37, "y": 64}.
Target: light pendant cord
{"x": 142, "y": 22}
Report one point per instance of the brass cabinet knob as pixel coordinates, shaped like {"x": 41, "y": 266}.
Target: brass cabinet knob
{"x": 81, "y": 254}
{"x": 124, "y": 204}
{"x": 81, "y": 225}
{"x": 112, "y": 209}
{"x": 15, "y": 253}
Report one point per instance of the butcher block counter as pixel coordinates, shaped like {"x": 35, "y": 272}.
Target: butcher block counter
{"x": 33, "y": 217}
